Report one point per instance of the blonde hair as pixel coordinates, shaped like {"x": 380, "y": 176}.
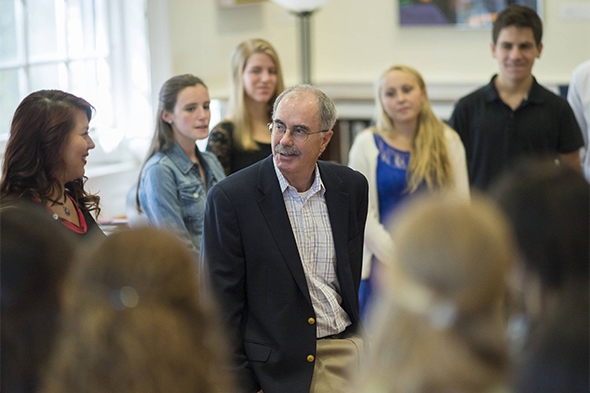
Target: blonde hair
{"x": 135, "y": 322}
{"x": 439, "y": 326}
{"x": 429, "y": 157}
{"x": 237, "y": 110}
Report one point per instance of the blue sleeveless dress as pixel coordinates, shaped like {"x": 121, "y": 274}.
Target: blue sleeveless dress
{"x": 392, "y": 167}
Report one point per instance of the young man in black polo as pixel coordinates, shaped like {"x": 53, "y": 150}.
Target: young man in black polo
{"x": 513, "y": 116}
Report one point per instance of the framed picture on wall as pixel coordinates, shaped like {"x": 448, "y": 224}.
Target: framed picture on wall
{"x": 233, "y": 3}
{"x": 465, "y": 13}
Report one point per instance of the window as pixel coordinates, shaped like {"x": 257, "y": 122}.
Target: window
{"x": 95, "y": 49}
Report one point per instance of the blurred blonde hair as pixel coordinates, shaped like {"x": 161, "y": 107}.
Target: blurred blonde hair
{"x": 439, "y": 326}
{"x": 237, "y": 109}
{"x": 429, "y": 158}
{"x": 135, "y": 322}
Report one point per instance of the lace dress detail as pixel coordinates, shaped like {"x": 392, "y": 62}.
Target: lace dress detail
{"x": 392, "y": 167}
{"x": 231, "y": 158}
{"x": 220, "y": 143}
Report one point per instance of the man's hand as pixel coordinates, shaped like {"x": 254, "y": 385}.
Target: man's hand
{"x": 572, "y": 159}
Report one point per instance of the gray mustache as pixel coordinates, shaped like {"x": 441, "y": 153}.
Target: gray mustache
{"x": 287, "y": 151}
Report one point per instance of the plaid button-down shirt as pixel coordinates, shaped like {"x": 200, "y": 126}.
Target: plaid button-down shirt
{"x": 308, "y": 214}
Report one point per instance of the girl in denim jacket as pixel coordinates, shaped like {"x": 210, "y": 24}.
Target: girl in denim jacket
{"x": 176, "y": 176}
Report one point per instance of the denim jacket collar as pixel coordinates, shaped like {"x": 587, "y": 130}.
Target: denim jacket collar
{"x": 180, "y": 159}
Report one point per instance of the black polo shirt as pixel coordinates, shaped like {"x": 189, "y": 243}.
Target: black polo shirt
{"x": 495, "y": 136}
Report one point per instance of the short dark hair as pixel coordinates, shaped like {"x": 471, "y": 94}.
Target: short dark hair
{"x": 518, "y": 16}
{"x": 548, "y": 207}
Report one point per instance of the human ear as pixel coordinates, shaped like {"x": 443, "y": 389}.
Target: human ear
{"x": 166, "y": 117}
{"x": 539, "y": 49}
{"x": 326, "y": 139}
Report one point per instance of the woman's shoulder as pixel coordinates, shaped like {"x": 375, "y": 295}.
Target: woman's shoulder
{"x": 156, "y": 163}
{"x": 212, "y": 160}
{"x": 368, "y": 134}
{"x": 364, "y": 150}
{"x": 365, "y": 139}
{"x": 156, "y": 158}
{"x": 454, "y": 142}
{"x": 208, "y": 156}
{"x": 450, "y": 134}
{"x": 13, "y": 201}
{"x": 14, "y": 205}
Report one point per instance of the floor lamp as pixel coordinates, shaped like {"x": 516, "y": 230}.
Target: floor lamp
{"x": 304, "y": 9}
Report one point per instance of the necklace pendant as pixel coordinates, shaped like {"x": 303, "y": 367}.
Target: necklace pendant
{"x": 66, "y": 210}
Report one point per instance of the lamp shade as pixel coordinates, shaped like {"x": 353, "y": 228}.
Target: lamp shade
{"x": 301, "y": 5}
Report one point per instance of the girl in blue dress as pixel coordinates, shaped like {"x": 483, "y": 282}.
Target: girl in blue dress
{"x": 408, "y": 150}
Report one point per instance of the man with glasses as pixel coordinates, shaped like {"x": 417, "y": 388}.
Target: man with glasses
{"x": 281, "y": 250}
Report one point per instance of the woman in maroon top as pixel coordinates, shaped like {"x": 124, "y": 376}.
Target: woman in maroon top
{"x": 45, "y": 158}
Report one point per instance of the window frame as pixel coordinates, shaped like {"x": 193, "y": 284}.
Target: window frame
{"x": 126, "y": 55}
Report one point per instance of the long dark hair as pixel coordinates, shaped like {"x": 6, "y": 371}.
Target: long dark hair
{"x": 163, "y": 139}
{"x": 34, "y": 154}
{"x": 140, "y": 284}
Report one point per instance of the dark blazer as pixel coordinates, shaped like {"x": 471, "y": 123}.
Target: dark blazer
{"x": 250, "y": 259}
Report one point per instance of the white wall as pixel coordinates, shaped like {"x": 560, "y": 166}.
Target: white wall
{"x": 354, "y": 41}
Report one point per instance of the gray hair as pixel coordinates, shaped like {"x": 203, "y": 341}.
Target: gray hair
{"x": 326, "y": 108}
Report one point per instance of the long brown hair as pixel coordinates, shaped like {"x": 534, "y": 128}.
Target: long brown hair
{"x": 429, "y": 158}
{"x": 34, "y": 154}
{"x": 237, "y": 111}
{"x": 134, "y": 304}
{"x": 163, "y": 139}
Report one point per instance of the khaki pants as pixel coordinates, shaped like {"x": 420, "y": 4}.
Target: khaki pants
{"x": 337, "y": 365}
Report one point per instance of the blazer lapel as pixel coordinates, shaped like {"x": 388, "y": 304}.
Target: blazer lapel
{"x": 273, "y": 208}
{"x": 337, "y": 200}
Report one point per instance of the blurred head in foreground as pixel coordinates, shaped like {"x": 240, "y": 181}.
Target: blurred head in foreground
{"x": 35, "y": 254}
{"x": 439, "y": 325}
{"x": 548, "y": 206}
{"x": 135, "y": 322}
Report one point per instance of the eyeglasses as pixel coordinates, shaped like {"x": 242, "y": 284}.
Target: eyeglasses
{"x": 298, "y": 133}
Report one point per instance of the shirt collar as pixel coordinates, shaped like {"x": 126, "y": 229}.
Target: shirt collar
{"x": 535, "y": 93}
{"x": 180, "y": 159}
{"x": 490, "y": 91}
{"x": 316, "y": 186}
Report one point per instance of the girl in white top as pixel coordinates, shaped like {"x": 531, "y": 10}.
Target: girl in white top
{"x": 409, "y": 150}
